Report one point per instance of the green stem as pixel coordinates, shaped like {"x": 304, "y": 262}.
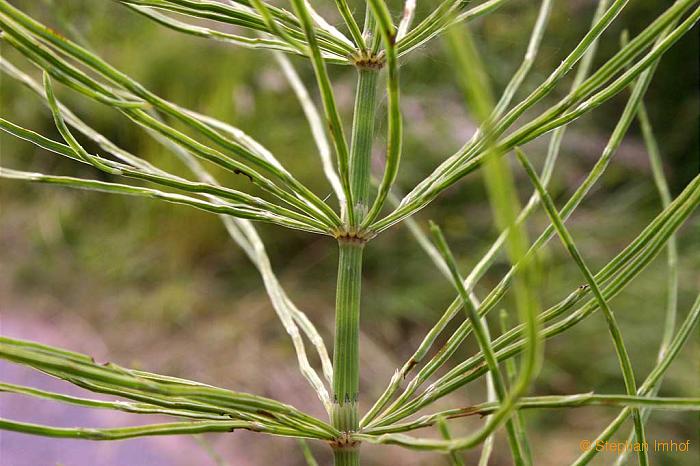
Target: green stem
{"x": 346, "y": 456}
{"x": 346, "y": 351}
{"x": 362, "y": 137}
{"x": 347, "y": 331}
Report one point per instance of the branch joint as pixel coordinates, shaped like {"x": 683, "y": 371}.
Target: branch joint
{"x": 350, "y": 235}
{"x": 367, "y": 60}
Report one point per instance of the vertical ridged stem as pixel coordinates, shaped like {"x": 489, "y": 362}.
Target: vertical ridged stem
{"x": 346, "y": 457}
{"x": 362, "y": 137}
{"x": 346, "y": 351}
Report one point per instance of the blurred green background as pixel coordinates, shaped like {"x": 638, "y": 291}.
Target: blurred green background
{"x": 163, "y": 287}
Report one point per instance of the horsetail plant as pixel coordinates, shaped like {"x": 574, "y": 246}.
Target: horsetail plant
{"x": 365, "y": 207}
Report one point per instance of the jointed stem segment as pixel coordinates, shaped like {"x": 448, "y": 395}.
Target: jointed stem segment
{"x": 346, "y": 350}
{"x": 346, "y": 379}
{"x": 362, "y": 136}
{"x": 346, "y": 456}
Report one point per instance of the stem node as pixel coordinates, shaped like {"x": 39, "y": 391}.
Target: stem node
{"x": 366, "y": 60}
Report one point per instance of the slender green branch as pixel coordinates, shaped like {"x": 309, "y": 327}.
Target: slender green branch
{"x": 613, "y": 327}
{"x": 511, "y": 377}
{"x": 332, "y": 116}
{"x": 544, "y": 402}
{"x": 512, "y": 87}
{"x": 483, "y": 339}
{"x": 201, "y": 150}
{"x": 144, "y": 172}
{"x": 651, "y": 382}
{"x": 498, "y": 124}
{"x": 394, "y": 125}
{"x": 618, "y": 272}
{"x": 199, "y": 31}
{"x": 672, "y": 249}
{"x": 445, "y": 15}
{"x": 671, "y": 253}
{"x": 350, "y": 22}
{"x": 455, "y": 458}
{"x": 110, "y": 378}
{"x": 316, "y": 126}
{"x": 538, "y": 127}
{"x": 333, "y": 44}
{"x": 274, "y": 28}
{"x": 26, "y": 41}
{"x": 308, "y": 454}
{"x": 246, "y": 235}
{"x": 595, "y": 174}
{"x": 572, "y": 401}
{"x": 530, "y": 54}
{"x": 236, "y": 210}
{"x": 326, "y": 28}
{"x": 65, "y": 132}
{"x": 466, "y": 161}
{"x": 129, "y": 407}
{"x": 501, "y": 193}
{"x": 175, "y": 428}
{"x": 370, "y": 32}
